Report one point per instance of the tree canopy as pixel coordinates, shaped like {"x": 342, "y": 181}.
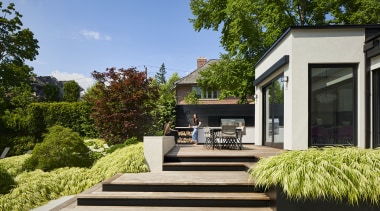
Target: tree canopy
{"x": 71, "y": 91}
{"x": 248, "y": 28}
{"x": 122, "y": 100}
{"x": 16, "y": 46}
{"x": 161, "y": 74}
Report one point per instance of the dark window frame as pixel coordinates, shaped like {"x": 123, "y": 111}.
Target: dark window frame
{"x": 376, "y": 108}
{"x": 354, "y": 67}
{"x": 264, "y": 136}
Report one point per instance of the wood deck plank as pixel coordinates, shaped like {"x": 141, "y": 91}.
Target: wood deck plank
{"x": 184, "y": 177}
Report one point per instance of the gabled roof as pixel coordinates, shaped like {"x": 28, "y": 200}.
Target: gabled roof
{"x": 193, "y": 76}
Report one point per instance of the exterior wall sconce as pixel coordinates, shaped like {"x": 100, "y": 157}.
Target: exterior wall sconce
{"x": 255, "y": 96}
{"x": 285, "y": 79}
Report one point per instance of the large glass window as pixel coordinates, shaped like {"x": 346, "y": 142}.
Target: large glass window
{"x": 376, "y": 108}
{"x": 274, "y": 113}
{"x": 332, "y": 104}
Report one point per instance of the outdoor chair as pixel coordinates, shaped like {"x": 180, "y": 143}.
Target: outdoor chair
{"x": 208, "y": 138}
{"x": 229, "y": 137}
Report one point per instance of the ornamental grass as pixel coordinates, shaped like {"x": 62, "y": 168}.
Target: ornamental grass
{"x": 331, "y": 173}
{"x": 36, "y": 188}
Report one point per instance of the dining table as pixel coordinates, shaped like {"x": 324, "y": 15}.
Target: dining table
{"x": 216, "y": 132}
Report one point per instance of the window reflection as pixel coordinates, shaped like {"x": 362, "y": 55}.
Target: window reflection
{"x": 332, "y": 106}
{"x": 274, "y": 113}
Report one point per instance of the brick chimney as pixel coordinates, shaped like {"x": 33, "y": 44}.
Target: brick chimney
{"x": 201, "y": 61}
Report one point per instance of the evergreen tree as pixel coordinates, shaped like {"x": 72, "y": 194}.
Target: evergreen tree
{"x": 160, "y": 75}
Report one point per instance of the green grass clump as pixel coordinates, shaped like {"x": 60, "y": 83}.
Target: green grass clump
{"x": 14, "y": 164}
{"x": 332, "y": 173}
{"x": 36, "y": 188}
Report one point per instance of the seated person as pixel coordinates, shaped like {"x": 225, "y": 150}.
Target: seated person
{"x": 170, "y": 132}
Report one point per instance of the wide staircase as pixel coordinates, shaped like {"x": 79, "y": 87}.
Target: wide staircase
{"x": 189, "y": 181}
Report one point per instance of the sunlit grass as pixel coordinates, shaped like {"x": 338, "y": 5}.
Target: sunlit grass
{"x": 36, "y": 188}
{"x": 334, "y": 173}
{"x": 14, "y": 164}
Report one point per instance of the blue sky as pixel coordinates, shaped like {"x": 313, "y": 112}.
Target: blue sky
{"x": 77, "y": 37}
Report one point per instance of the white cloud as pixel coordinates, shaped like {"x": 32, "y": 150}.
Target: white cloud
{"x": 93, "y": 35}
{"x": 82, "y": 80}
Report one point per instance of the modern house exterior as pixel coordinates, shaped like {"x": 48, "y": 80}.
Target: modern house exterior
{"x": 318, "y": 86}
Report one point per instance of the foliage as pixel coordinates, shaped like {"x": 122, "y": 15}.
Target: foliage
{"x": 122, "y": 100}
{"x": 337, "y": 173}
{"x": 72, "y": 115}
{"x": 16, "y": 46}
{"x": 115, "y": 147}
{"x": 6, "y": 181}
{"x": 36, "y": 188}
{"x": 51, "y": 92}
{"x": 192, "y": 98}
{"x": 14, "y": 164}
{"x": 21, "y": 144}
{"x": 21, "y": 96}
{"x": 161, "y": 75}
{"x": 71, "y": 91}
{"x": 20, "y": 126}
{"x": 61, "y": 147}
{"x": 239, "y": 73}
{"x": 248, "y": 28}
{"x": 165, "y": 105}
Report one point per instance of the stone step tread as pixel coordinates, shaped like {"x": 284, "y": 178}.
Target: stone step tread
{"x": 177, "y": 195}
{"x": 183, "y": 178}
{"x": 111, "y": 208}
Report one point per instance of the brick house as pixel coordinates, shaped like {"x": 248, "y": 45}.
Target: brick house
{"x": 185, "y": 85}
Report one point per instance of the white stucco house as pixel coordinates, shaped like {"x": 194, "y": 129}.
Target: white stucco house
{"x": 318, "y": 86}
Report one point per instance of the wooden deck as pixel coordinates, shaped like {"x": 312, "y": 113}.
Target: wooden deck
{"x": 189, "y": 150}
{"x": 182, "y": 189}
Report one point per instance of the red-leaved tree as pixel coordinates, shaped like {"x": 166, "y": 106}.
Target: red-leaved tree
{"x": 122, "y": 100}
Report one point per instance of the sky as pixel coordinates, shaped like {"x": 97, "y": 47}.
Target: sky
{"x": 77, "y": 37}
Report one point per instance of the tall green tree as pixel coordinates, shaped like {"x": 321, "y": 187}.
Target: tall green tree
{"x": 166, "y": 103}
{"x": 248, "y": 28}
{"x": 71, "y": 91}
{"x": 122, "y": 100}
{"x": 16, "y": 46}
{"x": 161, "y": 75}
{"x": 51, "y": 92}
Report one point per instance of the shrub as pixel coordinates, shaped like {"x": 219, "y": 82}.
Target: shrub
{"x": 130, "y": 141}
{"x": 36, "y": 188}
{"x": 336, "y": 173}
{"x": 14, "y": 164}
{"x": 114, "y": 148}
{"x": 61, "y": 147}
{"x": 6, "y": 181}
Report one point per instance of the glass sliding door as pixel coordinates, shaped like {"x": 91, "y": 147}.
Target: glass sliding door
{"x": 332, "y": 113}
{"x": 376, "y": 108}
{"x": 274, "y": 113}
